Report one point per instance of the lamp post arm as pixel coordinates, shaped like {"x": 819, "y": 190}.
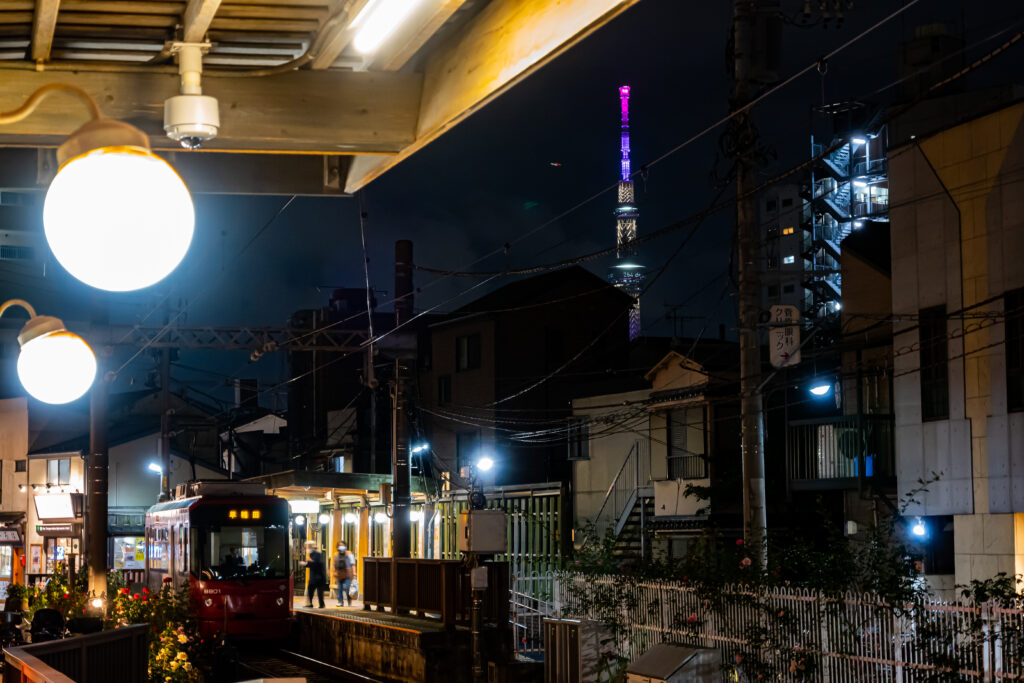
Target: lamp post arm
{"x": 18, "y": 302}
{"x": 39, "y": 95}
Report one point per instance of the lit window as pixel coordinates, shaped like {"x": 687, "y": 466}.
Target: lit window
{"x": 788, "y": 231}
{"x": 789, "y": 259}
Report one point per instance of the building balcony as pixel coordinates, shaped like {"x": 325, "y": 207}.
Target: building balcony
{"x": 844, "y": 452}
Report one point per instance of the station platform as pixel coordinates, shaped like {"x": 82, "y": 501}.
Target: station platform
{"x": 384, "y": 646}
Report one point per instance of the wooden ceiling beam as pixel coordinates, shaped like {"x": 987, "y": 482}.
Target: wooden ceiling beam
{"x": 44, "y": 21}
{"x": 323, "y": 112}
{"x": 506, "y": 42}
{"x": 198, "y": 17}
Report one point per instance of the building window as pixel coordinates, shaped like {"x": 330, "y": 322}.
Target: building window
{"x": 467, "y": 352}
{"x": 772, "y": 262}
{"x": 1013, "y": 307}
{"x": 770, "y": 205}
{"x": 21, "y": 465}
{"x": 579, "y": 438}
{"x": 444, "y": 390}
{"x": 788, "y": 231}
{"x": 934, "y": 364}
{"x": 772, "y": 231}
{"x": 787, "y": 289}
{"x": 466, "y": 446}
{"x": 58, "y": 472}
{"x": 686, "y": 451}
{"x": 787, "y": 202}
{"x": 789, "y": 259}
{"x": 773, "y": 290}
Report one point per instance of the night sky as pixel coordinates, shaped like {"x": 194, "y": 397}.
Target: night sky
{"x": 491, "y": 179}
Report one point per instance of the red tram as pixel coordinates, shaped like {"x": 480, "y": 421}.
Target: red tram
{"x": 229, "y": 540}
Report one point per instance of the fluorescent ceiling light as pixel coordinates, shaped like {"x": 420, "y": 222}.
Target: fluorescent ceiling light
{"x": 304, "y": 506}
{"x": 377, "y": 21}
{"x": 858, "y": 141}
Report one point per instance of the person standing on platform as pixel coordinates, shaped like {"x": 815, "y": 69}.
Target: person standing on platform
{"x": 317, "y": 575}
{"x": 343, "y": 574}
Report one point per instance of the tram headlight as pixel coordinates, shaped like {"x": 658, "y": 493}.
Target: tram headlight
{"x": 280, "y": 601}
{"x": 208, "y": 602}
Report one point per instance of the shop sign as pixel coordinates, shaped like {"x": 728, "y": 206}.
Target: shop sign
{"x": 56, "y": 530}
{"x": 9, "y": 537}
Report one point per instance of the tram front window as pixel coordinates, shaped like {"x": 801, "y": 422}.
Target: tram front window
{"x": 239, "y": 552}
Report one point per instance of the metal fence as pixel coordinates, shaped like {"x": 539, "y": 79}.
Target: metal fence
{"x": 839, "y": 640}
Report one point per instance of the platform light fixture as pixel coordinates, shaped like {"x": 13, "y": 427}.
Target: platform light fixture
{"x": 55, "y": 366}
{"x": 153, "y": 467}
{"x": 324, "y": 518}
{"x": 919, "y": 529}
{"x": 116, "y": 216}
{"x": 377, "y": 21}
{"x": 485, "y": 463}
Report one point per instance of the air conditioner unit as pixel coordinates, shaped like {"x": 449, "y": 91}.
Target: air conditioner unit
{"x": 573, "y": 649}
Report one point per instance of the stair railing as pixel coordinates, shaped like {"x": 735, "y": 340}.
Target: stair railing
{"x": 622, "y": 491}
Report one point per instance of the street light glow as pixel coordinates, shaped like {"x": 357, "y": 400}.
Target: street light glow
{"x": 118, "y": 218}
{"x": 419, "y": 448}
{"x": 97, "y": 603}
{"x": 153, "y": 467}
{"x": 377, "y": 22}
{"x": 919, "y": 529}
{"x": 821, "y": 389}
{"x": 485, "y": 463}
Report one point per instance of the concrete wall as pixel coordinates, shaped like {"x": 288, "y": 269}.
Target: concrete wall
{"x": 13, "y": 447}
{"x": 958, "y": 240}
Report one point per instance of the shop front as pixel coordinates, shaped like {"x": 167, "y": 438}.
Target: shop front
{"x": 11, "y": 544}
{"x": 59, "y": 535}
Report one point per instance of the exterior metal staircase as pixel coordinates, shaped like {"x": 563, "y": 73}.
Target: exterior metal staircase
{"x": 630, "y": 502}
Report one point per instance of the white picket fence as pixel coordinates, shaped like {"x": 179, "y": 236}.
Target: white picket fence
{"x": 852, "y": 639}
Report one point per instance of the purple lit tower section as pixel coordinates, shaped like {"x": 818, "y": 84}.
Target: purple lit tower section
{"x": 626, "y": 273}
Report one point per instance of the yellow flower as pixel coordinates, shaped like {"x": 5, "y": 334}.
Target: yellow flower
{"x": 182, "y": 656}
{"x": 182, "y": 638}
{"x": 174, "y": 666}
{"x": 187, "y": 666}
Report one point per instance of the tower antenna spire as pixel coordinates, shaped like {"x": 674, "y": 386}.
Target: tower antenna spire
{"x": 626, "y": 274}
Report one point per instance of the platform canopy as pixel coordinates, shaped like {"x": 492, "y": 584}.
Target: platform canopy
{"x": 287, "y": 75}
{"x": 346, "y": 487}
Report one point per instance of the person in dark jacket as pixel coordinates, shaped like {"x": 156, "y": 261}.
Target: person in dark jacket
{"x": 344, "y": 572}
{"x": 317, "y": 575}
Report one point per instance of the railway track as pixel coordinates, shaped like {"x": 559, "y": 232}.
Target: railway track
{"x": 287, "y": 664}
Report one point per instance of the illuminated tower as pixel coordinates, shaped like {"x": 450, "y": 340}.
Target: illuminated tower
{"x": 626, "y": 273}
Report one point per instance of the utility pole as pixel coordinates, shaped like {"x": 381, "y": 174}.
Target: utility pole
{"x": 745, "y": 27}
{"x": 96, "y": 482}
{"x": 400, "y": 531}
{"x": 165, "y": 428}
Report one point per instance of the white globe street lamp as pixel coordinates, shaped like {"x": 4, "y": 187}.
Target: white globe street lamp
{"x": 116, "y": 216}
{"x": 55, "y": 366}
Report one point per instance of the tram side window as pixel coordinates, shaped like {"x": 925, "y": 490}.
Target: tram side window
{"x": 181, "y": 550}
{"x": 159, "y": 550}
